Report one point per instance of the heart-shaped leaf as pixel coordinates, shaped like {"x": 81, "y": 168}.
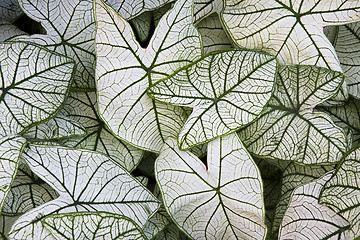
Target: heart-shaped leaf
{"x": 81, "y": 108}
{"x": 342, "y": 191}
{"x": 70, "y": 30}
{"x": 293, "y": 31}
{"x": 11, "y": 148}
{"x": 122, "y": 84}
{"x": 226, "y": 90}
{"x": 34, "y": 84}
{"x": 94, "y": 225}
{"x": 290, "y": 129}
{"x": 86, "y": 182}
{"x": 305, "y": 218}
{"x": 222, "y": 202}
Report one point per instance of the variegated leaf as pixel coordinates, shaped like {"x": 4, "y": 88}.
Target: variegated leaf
{"x": 226, "y": 90}
{"x": 8, "y": 30}
{"x": 10, "y": 10}
{"x": 290, "y": 129}
{"x": 222, "y": 202}
{"x": 121, "y": 85}
{"x": 34, "y": 84}
{"x": 86, "y": 182}
{"x": 204, "y": 8}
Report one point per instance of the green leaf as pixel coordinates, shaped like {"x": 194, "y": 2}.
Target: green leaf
{"x": 129, "y": 9}
{"x": 11, "y": 148}
{"x": 142, "y": 26}
{"x": 96, "y": 225}
{"x": 86, "y": 182}
{"x": 59, "y": 127}
{"x": 27, "y": 192}
{"x": 346, "y": 40}
{"x": 81, "y": 108}
{"x": 305, "y": 218}
{"x": 342, "y": 191}
{"x": 222, "y": 202}
{"x": 10, "y": 10}
{"x": 123, "y": 103}
{"x": 213, "y": 35}
{"x": 70, "y": 30}
{"x": 293, "y": 31}
{"x": 227, "y": 90}
{"x": 34, "y": 84}
{"x": 204, "y": 8}
{"x": 8, "y": 30}
{"x": 290, "y": 129}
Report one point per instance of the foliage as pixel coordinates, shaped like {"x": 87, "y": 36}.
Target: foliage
{"x": 186, "y": 119}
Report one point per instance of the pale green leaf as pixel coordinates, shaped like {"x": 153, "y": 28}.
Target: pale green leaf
{"x": 213, "y": 35}
{"x": 227, "y": 90}
{"x": 346, "y": 40}
{"x": 10, "y": 10}
{"x": 290, "y": 129}
{"x": 59, "y": 127}
{"x": 305, "y": 218}
{"x": 204, "y": 8}
{"x": 142, "y": 25}
{"x": 86, "y": 182}
{"x": 27, "y": 192}
{"x": 129, "y": 9}
{"x": 222, "y": 202}
{"x": 8, "y": 30}
{"x": 342, "y": 191}
{"x": 11, "y": 148}
{"x": 121, "y": 85}
{"x": 293, "y": 31}
{"x": 70, "y": 30}
{"x": 294, "y": 176}
{"x": 96, "y": 226}
{"x": 81, "y": 107}
{"x": 34, "y": 84}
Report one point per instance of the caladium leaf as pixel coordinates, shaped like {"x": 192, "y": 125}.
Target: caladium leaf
{"x": 11, "y": 148}
{"x": 160, "y": 12}
{"x": 70, "y": 30}
{"x": 294, "y": 176}
{"x": 34, "y": 84}
{"x": 347, "y": 116}
{"x": 290, "y": 129}
{"x": 142, "y": 25}
{"x": 27, "y": 192}
{"x": 204, "y": 8}
{"x": 129, "y": 9}
{"x": 10, "y": 10}
{"x": 121, "y": 85}
{"x": 346, "y": 40}
{"x": 305, "y": 218}
{"x": 293, "y": 31}
{"x": 226, "y": 199}
{"x": 59, "y": 127}
{"x": 8, "y": 30}
{"x": 227, "y": 90}
{"x": 213, "y": 35}
{"x": 86, "y": 182}
{"x": 93, "y": 225}
{"x": 81, "y": 108}
{"x": 342, "y": 191}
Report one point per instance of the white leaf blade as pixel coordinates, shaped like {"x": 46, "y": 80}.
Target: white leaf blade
{"x": 221, "y": 208}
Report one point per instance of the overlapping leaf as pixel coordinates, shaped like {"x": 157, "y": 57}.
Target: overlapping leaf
{"x": 293, "y": 31}
{"x": 70, "y": 30}
{"x": 213, "y": 35}
{"x": 8, "y": 30}
{"x": 81, "y": 108}
{"x": 222, "y": 202}
{"x": 121, "y": 85}
{"x": 34, "y": 83}
{"x": 342, "y": 191}
{"x": 142, "y": 25}
{"x": 86, "y": 182}
{"x": 11, "y": 148}
{"x": 204, "y": 8}
{"x": 9, "y": 10}
{"x": 290, "y": 129}
{"x": 95, "y": 225}
{"x": 27, "y": 192}
{"x": 305, "y": 218}
{"x": 227, "y": 90}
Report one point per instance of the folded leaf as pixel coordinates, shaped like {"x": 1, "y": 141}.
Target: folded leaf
{"x": 222, "y": 202}
{"x": 124, "y": 71}
{"x": 226, "y": 90}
